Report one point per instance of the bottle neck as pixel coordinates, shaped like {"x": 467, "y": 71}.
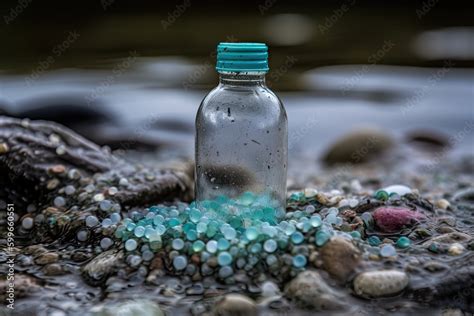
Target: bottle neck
{"x": 242, "y": 79}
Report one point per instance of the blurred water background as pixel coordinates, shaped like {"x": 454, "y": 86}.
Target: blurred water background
{"x": 132, "y": 75}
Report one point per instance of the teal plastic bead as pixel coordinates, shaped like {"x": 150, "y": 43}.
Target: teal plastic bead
{"x": 374, "y": 241}
{"x": 270, "y": 245}
{"x": 131, "y": 245}
{"x": 251, "y": 233}
{"x": 355, "y": 234}
{"x": 297, "y": 238}
{"x": 198, "y": 245}
{"x": 223, "y": 244}
{"x": 211, "y": 246}
{"x": 224, "y": 258}
{"x": 315, "y": 221}
{"x": 322, "y": 237}
{"x": 403, "y": 242}
{"x": 139, "y": 231}
{"x": 195, "y": 215}
{"x": 201, "y": 227}
{"x": 381, "y": 195}
{"x": 191, "y": 235}
{"x": 299, "y": 261}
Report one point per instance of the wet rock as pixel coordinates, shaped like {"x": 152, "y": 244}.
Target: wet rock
{"x": 24, "y": 286}
{"x": 53, "y": 269}
{"x": 443, "y": 204}
{"x": 449, "y": 238}
{"x": 309, "y": 290}
{"x": 358, "y": 147}
{"x": 456, "y": 249}
{"x": 129, "y": 308}
{"x": 46, "y": 258}
{"x": 380, "y": 283}
{"x": 428, "y": 140}
{"x": 235, "y": 305}
{"x": 340, "y": 258}
{"x": 98, "y": 269}
{"x": 392, "y": 219}
{"x": 435, "y": 266}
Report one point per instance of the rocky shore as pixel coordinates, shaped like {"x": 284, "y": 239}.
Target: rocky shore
{"x": 98, "y": 234}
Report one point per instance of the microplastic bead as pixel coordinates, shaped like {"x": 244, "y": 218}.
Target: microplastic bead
{"x": 69, "y": 190}
{"x": 403, "y": 242}
{"x": 105, "y": 243}
{"x": 271, "y": 260}
{"x": 225, "y": 272}
{"x": 321, "y": 238}
{"x": 355, "y": 234}
{"x": 139, "y": 231}
{"x": 115, "y": 217}
{"x": 198, "y": 245}
{"x": 223, "y": 244}
{"x": 290, "y": 229}
{"x": 147, "y": 255}
{"x": 270, "y": 245}
{"x": 374, "y": 240}
{"x": 27, "y": 223}
{"x": 297, "y": 238}
{"x": 388, "y": 251}
{"x": 224, "y": 258}
{"x": 201, "y": 227}
{"x": 381, "y": 195}
{"x": 99, "y": 197}
{"x": 299, "y": 261}
{"x": 82, "y": 235}
{"x": 177, "y": 244}
{"x": 191, "y": 235}
{"x": 256, "y": 248}
{"x": 251, "y": 233}
{"x": 158, "y": 219}
{"x": 180, "y": 262}
{"x": 195, "y": 215}
{"x": 315, "y": 221}
{"x": 105, "y": 205}
{"x": 211, "y": 246}
{"x": 131, "y": 245}
{"x": 59, "y": 201}
{"x": 229, "y": 233}
{"x": 160, "y": 229}
{"x": 106, "y": 222}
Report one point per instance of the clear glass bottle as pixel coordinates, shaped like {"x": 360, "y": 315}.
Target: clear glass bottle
{"x": 241, "y": 130}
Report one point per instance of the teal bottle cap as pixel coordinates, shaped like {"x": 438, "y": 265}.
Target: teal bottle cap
{"x": 242, "y": 57}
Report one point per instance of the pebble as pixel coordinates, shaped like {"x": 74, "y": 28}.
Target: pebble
{"x": 456, "y": 249}
{"x": 53, "y": 269}
{"x": 46, "y": 258}
{"x": 91, "y": 221}
{"x": 57, "y": 169}
{"x": 4, "y": 148}
{"x": 392, "y": 219}
{"x": 340, "y": 257}
{"x": 310, "y": 193}
{"x": 443, "y": 204}
{"x": 380, "y": 283}
{"x": 309, "y": 290}
{"x": 235, "y": 305}
{"x": 403, "y": 242}
{"x": 69, "y": 190}
{"x": 388, "y": 251}
{"x": 398, "y": 189}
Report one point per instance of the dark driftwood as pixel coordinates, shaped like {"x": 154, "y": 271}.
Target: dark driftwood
{"x": 30, "y": 149}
